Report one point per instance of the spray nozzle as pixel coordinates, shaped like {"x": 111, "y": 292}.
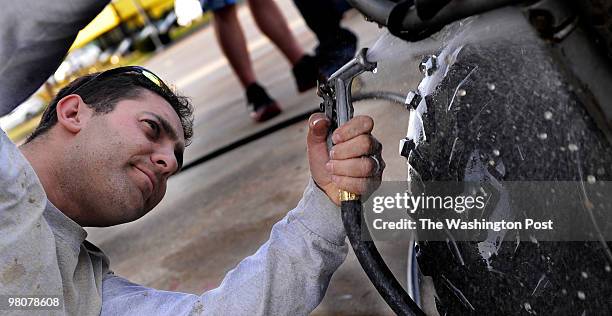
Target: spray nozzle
{"x": 336, "y": 91}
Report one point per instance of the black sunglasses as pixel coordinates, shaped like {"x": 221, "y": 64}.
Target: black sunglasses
{"x": 138, "y": 70}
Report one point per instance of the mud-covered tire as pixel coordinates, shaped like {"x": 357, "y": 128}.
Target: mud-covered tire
{"x": 518, "y": 117}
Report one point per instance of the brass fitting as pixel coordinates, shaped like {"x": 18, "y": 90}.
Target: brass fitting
{"x": 348, "y": 196}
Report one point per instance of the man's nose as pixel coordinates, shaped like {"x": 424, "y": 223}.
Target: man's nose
{"x": 165, "y": 161}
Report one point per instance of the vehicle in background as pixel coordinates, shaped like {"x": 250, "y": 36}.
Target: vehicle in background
{"x": 27, "y": 110}
{"x": 121, "y": 29}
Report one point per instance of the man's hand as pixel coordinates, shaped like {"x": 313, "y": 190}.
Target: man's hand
{"x": 349, "y": 164}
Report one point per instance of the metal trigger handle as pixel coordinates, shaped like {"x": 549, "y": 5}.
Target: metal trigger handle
{"x": 337, "y": 103}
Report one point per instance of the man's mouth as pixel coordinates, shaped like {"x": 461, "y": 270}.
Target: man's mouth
{"x": 150, "y": 177}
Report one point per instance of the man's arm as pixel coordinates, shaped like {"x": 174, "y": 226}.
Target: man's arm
{"x": 288, "y": 275}
{"x": 34, "y": 38}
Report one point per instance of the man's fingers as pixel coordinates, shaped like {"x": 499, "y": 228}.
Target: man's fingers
{"x": 361, "y": 145}
{"x": 356, "y": 126}
{"x": 355, "y": 167}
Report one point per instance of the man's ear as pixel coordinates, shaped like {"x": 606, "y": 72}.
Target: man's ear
{"x": 72, "y": 113}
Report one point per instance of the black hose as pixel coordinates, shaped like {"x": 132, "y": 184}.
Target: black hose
{"x": 375, "y": 10}
{"x": 409, "y": 22}
{"x": 382, "y": 95}
{"x": 248, "y": 139}
{"x": 453, "y": 11}
{"x": 390, "y": 96}
{"x": 427, "y": 9}
{"x": 373, "y": 264}
{"x": 363, "y": 246}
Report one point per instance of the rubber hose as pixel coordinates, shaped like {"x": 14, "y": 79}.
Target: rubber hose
{"x": 373, "y": 95}
{"x": 373, "y": 264}
{"x": 383, "y": 95}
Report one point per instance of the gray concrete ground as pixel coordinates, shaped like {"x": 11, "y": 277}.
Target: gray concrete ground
{"x": 221, "y": 211}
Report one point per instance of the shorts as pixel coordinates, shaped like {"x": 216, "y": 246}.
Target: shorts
{"x": 215, "y": 5}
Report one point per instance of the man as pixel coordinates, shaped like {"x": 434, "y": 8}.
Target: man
{"x": 102, "y": 155}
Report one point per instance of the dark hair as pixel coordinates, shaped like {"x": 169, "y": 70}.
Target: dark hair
{"x": 102, "y": 94}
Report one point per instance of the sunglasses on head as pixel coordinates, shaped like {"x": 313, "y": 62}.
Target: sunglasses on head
{"x": 137, "y": 70}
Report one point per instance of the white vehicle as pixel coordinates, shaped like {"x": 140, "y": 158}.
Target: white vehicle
{"x": 28, "y": 109}
{"x": 187, "y": 11}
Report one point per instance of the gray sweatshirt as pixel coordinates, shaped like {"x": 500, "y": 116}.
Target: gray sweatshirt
{"x": 43, "y": 252}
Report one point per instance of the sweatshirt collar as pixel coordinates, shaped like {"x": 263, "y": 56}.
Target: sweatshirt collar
{"x": 64, "y": 227}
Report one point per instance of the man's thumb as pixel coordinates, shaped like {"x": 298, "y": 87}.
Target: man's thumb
{"x": 318, "y": 125}
{"x": 316, "y": 143}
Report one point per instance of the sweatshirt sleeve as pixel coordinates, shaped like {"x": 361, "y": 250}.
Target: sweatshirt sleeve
{"x": 34, "y": 38}
{"x": 288, "y": 275}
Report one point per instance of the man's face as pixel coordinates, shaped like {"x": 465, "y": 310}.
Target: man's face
{"x": 124, "y": 158}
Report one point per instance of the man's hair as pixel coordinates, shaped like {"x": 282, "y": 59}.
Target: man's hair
{"x": 102, "y": 95}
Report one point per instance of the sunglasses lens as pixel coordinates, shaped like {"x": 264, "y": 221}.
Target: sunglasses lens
{"x": 123, "y": 70}
{"x": 152, "y": 77}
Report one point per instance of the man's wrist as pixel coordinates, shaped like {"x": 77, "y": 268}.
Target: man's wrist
{"x": 332, "y": 193}
{"x": 320, "y": 215}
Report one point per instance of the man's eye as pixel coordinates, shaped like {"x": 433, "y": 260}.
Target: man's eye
{"x": 154, "y": 127}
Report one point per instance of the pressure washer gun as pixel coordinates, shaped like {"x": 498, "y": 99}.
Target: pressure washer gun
{"x": 338, "y": 107}
{"x": 336, "y": 91}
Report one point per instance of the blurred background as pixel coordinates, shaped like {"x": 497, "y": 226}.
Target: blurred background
{"x": 126, "y": 32}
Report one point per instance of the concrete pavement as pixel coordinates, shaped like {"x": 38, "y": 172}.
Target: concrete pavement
{"x": 221, "y": 211}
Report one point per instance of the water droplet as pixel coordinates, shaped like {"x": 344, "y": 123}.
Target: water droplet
{"x": 581, "y": 295}
{"x": 562, "y": 148}
{"x": 607, "y": 268}
{"x": 542, "y": 136}
{"x": 461, "y": 92}
{"x": 601, "y": 171}
{"x": 492, "y": 163}
{"x": 375, "y": 70}
{"x": 564, "y": 291}
{"x": 591, "y": 179}
{"x": 495, "y": 152}
{"x": 491, "y": 86}
{"x": 572, "y": 147}
{"x": 584, "y": 275}
{"x": 345, "y": 297}
{"x": 548, "y": 115}
{"x": 527, "y": 306}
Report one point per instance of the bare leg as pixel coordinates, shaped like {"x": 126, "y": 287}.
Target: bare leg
{"x": 272, "y": 23}
{"x": 233, "y": 43}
